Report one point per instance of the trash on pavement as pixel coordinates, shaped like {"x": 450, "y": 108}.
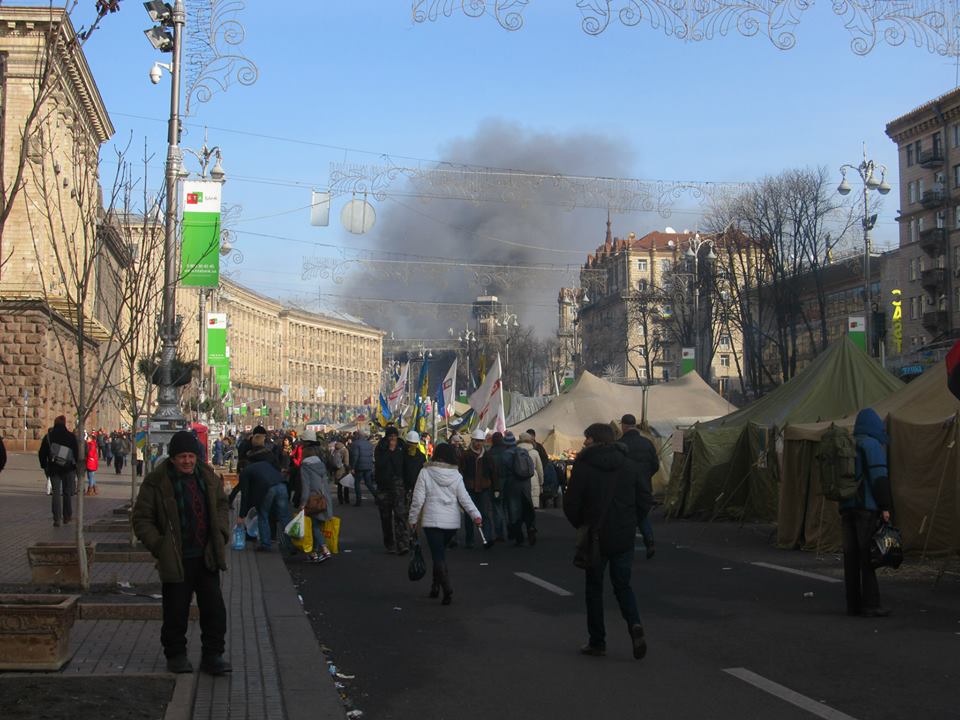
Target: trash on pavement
{"x": 344, "y": 676}
{"x": 124, "y": 584}
{"x": 808, "y": 594}
{"x": 333, "y": 669}
{"x": 397, "y": 608}
{"x": 727, "y": 568}
{"x": 355, "y": 714}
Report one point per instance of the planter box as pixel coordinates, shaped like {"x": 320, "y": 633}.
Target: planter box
{"x": 35, "y": 631}
{"x": 56, "y": 563}
{"x": 122, "y": 552}
{"x": 113, "y": 525}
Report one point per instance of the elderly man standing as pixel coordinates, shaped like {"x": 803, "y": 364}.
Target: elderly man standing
{"x": 181, "y": 518}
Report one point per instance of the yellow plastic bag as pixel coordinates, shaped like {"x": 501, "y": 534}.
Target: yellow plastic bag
{"x": 331, "y": 534}
{"x": 306, "y": 542}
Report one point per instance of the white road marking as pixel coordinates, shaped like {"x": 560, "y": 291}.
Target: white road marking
{"x": 784, "y": 693}
{"x": 801, "y": 573}
{"x": 544, "y": 584}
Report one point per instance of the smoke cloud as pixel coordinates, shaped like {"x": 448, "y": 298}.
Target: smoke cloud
{"x": 495, "y": 232}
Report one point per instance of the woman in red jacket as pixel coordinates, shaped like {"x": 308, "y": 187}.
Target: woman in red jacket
{"x": 93, "y": 464}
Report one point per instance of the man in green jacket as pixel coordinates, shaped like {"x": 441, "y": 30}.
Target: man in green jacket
{"x": 181, "y": 517}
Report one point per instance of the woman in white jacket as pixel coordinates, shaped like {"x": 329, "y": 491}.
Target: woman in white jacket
{"x": 439, "y": 494}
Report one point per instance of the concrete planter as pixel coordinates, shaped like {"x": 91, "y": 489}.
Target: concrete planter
{"x": 57, "y": 563}
{"x": 35, "y": 631}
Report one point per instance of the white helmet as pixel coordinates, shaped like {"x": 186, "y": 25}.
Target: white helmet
{"x": 478, "y": 434}
{"x": 309, "y": 435}
{"x": 412, "y": 437}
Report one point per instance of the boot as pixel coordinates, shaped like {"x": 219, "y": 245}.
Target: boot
{"x": 445, "y": 585}
{"x": 435, "y": 585}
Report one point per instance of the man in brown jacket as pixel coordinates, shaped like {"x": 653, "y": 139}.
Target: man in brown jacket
{"x": 480, "y": 478}
{"x": 181, "y": 517}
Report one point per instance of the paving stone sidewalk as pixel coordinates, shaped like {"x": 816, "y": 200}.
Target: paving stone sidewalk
{"x": 263, "y": 612}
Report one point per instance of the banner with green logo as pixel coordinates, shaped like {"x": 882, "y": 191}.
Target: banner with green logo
{"x": 688, "y": 360}
{"x": 218, "y": 355}
{"x": 200, "y": 251}
{"x": 857, "y": 330}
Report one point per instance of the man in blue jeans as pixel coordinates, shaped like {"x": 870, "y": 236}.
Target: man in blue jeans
{"x": 361, "y": 462}
{"x": 604, "y": 503}
{"x": 268, "y": 493}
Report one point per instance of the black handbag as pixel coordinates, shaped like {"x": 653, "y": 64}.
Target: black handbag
{"x": 886, "y": 547}
{"x": 587, "y": 553}
{"x": 417, "y": 567}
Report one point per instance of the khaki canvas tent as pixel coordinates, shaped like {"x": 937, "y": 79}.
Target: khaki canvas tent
{"x": 924, "y": 465}
{"x": 729, "y": 467}
{"x": 679, "y": 403}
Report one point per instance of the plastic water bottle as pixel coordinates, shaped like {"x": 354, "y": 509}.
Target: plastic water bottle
{"x": 239, "y": 537}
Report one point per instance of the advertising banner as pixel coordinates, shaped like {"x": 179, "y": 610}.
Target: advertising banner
{"x": 857, "y": 330}
{"x": 200, "y": 251}
{"x": 688, "y": 360}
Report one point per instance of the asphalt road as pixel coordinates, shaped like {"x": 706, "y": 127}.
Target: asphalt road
{"x": 727, "y": 638}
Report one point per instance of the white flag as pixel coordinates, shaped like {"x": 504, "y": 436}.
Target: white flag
{"x": 487, "y": 401}
{"x": 320, "y": 209}
{"x": 448, "y": 392}
{"x": 396, "y": 395}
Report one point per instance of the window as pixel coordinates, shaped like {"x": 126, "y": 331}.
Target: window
{"x": 920, "y": 189}
{"x": 665, "y": 264}
{"x": 917, "y": 149}
{"x": 642, "y": 265}
{"x": 913, "y": 269}
{"x": 941, "y": 219}
{"x": 914, "y": 235}
{"x": 724, "y": 342}
{"x": 914, "y": 308}
{"x": 920, "y": 225}
{"x": 725, "y": 360}
{"x": 642, "y": 373}
{"x": 911, "y": 192}
{"x": 642, "y": 285}
{"x": 936, "y": 143}
{"x": 956, "y": 176}
{"x": 956, "y": 260}
{"x": 909, "y": 155}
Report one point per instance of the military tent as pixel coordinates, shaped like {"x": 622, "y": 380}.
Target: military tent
{"x": 729, "y": 467}
{"x": 924, "y": 465}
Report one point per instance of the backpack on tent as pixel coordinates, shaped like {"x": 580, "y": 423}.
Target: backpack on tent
{"x": 837, "y": 457}
{"x": 522, "y": 464}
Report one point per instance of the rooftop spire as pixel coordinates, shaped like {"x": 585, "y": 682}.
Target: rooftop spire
{"x": 609, "y": 237}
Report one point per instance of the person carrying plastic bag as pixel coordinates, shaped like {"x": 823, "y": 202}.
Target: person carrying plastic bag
{"x": 316, "y": 500}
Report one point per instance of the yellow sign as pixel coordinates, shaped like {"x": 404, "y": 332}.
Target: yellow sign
{"x": 897, "y": 320}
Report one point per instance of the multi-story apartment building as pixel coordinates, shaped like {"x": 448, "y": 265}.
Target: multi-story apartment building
{"x": 57, "y": 211}
{"x": 638, "y": 307}
{"x": 926, "y": 268}
{"x": 296, "y": 364}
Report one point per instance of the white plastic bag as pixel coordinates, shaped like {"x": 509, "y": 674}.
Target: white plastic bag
{"x": 252, "y": 523}
{"x": 294, "y": 528}
{"x": 347, "y": 481}
{"x": 49, "y": 487}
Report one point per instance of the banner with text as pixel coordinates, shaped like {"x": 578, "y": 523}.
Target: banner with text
{"x": 857, "y": 330}
{"x": 200, "y": 251}
{"x": 688, "y": 360}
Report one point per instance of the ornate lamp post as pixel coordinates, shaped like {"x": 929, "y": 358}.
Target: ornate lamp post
{"x": 867, "y": 170}
{"x": 693, "y": 253}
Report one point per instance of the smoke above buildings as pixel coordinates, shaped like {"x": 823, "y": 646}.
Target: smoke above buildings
{"x": 537, "y": 228}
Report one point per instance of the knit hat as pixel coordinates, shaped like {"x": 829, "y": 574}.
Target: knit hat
{"x": 526, "y": 438}
{"x": 259, "y": 430}
{"x": 509, "y": 439}
{"x": 628, "y": 419}
{"x": 391, "y": 430}
{"x": 182, "y": 442}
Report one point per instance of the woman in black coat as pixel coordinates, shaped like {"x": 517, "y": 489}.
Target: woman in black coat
{"x": 604, "y": 498}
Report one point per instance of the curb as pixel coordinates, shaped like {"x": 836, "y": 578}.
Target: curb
{"x": 180, "y": 706}
{"x": 305, "y": 683}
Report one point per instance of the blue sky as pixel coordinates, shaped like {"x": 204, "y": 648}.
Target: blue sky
{"x": 362, "y": 75}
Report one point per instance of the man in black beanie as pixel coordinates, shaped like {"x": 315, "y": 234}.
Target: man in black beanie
{"x": 181, "y": 517}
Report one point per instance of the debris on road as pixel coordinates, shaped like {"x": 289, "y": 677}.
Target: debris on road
{"x": 808, "y": 594}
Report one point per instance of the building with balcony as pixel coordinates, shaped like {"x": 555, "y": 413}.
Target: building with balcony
{"x": 923, "y": 275}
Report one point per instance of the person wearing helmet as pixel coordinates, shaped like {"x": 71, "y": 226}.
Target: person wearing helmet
{"x": 480, "y": 478}
{"x": 413, "y": 461}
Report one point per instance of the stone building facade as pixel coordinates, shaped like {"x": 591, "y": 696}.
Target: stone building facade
{"x": 926, "y": 266}
{"x": 298, "y": 364}
{"x": 56, "y": 210}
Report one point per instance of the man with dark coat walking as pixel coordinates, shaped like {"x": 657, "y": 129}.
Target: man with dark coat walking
{"x": 391, "y": 493}
{"x": 58, "y": 457}
{"x": 181, "y": 517}
{"x": 604, "y": 502}
{"x": 361, "y": 461}
{"x": 643, "y": 455}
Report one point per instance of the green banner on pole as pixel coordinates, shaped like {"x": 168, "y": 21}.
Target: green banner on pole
{"x": 688, "y": 360}
{"x": 857, "y": 330}
{"x": 217, "y": 340}
{"x": 200, "y": 252}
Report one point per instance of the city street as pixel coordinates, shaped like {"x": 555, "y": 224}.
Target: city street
{"x": 727, "y": 638}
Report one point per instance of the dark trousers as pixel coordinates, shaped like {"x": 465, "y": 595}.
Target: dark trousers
{"x": 393, "y": 518}
{"x": 859, "y": 577}
{"x": 484, "y": 502}
{"x": 118, "y": 462}
{"x": 620, "y": 566}
{"x": 139, "y": 468}
{"x": 343, "y": 494}
{"x": 62, "y": 487}
{"x": 176, "y": 610}
{"x": 520, "y": 511}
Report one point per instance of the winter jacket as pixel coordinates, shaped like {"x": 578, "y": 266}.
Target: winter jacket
{"x": 61, "y": 436}
{"x": 440, "y": 493}
{"x": 643, "y": 456}
{"x": 120, "y": 446}
{"x": 479, "y": 472}
{"x": 413, "y": 462}
{"x": 361, "y": 454}
{"x": 156, "y": 521}
{"x": 93, "y": 460}
{"x": 603, "y": 476}
{"x": 388, "y": 465}
{"x": 257, "y": 477}
{"x": 536, "y": 482}
{"x": 874, "y": 492}
{"x": 315, "y": 481}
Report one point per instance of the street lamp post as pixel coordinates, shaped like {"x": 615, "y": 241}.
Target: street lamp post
{"x": 693, "y": 253}
{"x": 168, "y": 37}
{"x": 465, "y": 338}
{"x": 867, "y": 171}
{"x": 509, "y": 320}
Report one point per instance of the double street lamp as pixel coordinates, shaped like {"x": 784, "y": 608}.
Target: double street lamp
{"x": 867, "y": 170}
{"x": 695, "y": 245}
